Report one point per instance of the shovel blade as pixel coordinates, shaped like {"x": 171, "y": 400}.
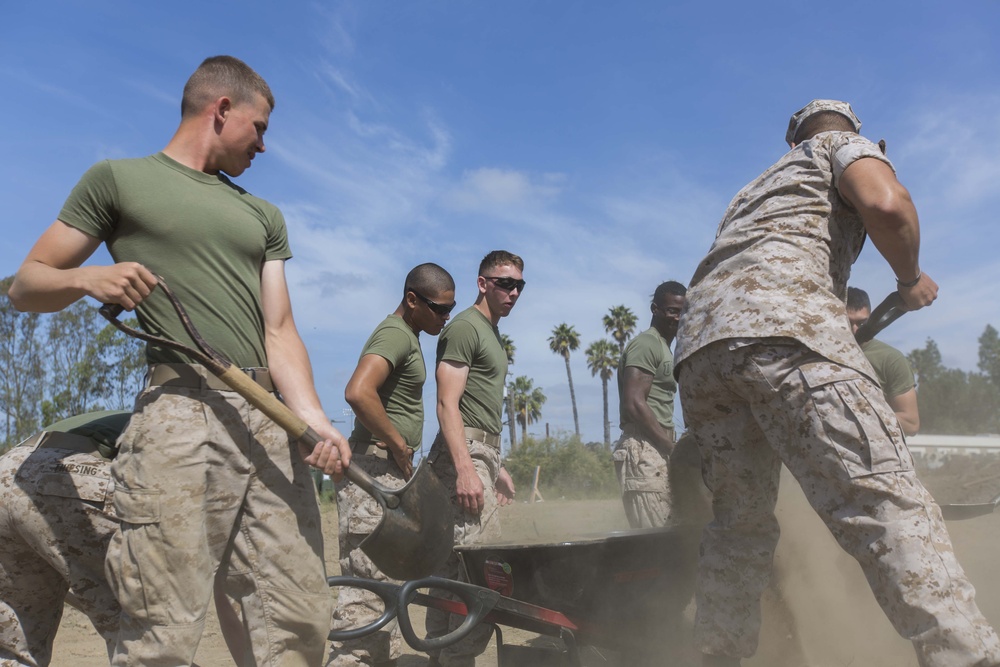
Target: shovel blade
{"x": 414, "y": 539}
{"x": 960, "y": 512}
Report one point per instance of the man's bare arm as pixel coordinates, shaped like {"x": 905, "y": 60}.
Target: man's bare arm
{"x": 905, "y": 407}
{"x": 636, "y": 385}
{"x": 291, "y": 371}
{"x": 52, "y": 277}
{"x": 451, "y": 380}
{"x": 362, "y": 395}
{"x": 890, "y": 219}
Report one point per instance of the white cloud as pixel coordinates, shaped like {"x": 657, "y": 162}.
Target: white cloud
{"x": 502, "y": 192}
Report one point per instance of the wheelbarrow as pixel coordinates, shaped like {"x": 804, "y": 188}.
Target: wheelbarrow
{"x": 612, "y": 591}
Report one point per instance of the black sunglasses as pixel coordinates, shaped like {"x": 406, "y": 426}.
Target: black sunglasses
{"x": 507, "y": 283}
{"x": 439, "y": 308}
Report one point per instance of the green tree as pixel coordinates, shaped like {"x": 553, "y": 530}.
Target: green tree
{"x": 989, "y": 354}
{"x": 509, "y": 349}
{"x": 528, "y": 401}
{"x": 125, "y": 359}
{"x": 77, "y": 373}
{"x": 602, "y": 360}
{"x": 950, "y": 400}
{"x": 569, "y": 468}
{"x": 620, "y": 323}
{"x": 22, "y": 370}
{"x": 565, "y": 339}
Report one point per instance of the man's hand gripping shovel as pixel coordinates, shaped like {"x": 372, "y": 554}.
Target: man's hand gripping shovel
{"x": 416, "y": 533}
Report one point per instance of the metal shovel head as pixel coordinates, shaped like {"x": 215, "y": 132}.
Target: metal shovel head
{"x": 414, "y": 538}
{"x": 968, "y": 511}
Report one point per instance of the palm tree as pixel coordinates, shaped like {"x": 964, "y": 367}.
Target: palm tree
{"x": 620, "y": 323}
{"x": 528, "y": 401}
{"x": 508, "y": 347}
{"x": 602, "y": 359}
{"x": 563, "y": 340}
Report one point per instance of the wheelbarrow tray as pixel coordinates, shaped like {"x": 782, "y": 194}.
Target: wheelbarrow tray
{"x": 616, "y": 587}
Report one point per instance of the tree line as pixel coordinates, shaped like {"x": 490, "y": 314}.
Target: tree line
{"x": 951, "y": 401}
{"x": 62, "y": 364}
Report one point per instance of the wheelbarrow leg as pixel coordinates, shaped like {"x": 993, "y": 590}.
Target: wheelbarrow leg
{"x": 572, "y": 648}
{"x": 499, "y": 635}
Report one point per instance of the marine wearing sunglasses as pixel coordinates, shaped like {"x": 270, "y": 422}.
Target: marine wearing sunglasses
{"x": 439, "y": 308}
{"x": 506, "y": 283}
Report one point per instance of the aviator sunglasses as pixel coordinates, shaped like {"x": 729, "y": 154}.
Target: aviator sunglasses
{"x": 439, "y": 308}
{"x": 507, "y": 283}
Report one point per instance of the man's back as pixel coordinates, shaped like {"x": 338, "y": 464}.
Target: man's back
{"x": 782, "y": 256}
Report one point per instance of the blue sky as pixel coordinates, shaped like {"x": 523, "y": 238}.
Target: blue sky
{"x": 600, "y": 141}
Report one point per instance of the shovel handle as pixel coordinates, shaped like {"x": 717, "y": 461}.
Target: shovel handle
{"x": 264, "y": 401}
{"x": 887, "y": 312}
{"x": 243, "y": 385}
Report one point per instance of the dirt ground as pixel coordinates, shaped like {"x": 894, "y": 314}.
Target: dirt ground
{"x": 820, "y": 612}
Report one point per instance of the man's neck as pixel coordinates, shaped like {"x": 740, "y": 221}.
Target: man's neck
{"x": 405, "y": 314}
{"x": 189, "y": 148}
{"x": 484, "y": 308}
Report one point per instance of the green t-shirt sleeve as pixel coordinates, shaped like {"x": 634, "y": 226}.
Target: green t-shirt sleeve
{"x": 899, "y": 376}
{"x": 459, "y": 343}
{"x": 92, "y": 206}
{"x": 391, "y": 344}
{"x": 277, "y": 237}
{"x": 644, "y": 354}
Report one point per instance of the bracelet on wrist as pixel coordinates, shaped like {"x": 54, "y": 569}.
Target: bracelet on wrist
{"x": 909, "y": 283}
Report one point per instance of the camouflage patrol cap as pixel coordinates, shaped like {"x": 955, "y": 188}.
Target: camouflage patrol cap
{"x": 843, "y": 108}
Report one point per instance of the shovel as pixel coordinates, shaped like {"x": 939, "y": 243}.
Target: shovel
{"x": 887, "y": 312}
{"x": 969, "y": 511}
{"x": 416, "y": 533}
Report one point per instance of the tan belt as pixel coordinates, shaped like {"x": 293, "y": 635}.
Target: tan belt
{"x": 368, "y": 449}
{"x": 196, "y": 375}
{"x": 479, "y": 435}
{"x": 634, "y": 431}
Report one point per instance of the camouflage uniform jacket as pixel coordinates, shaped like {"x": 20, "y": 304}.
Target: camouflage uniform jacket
{"x": 782, "y": 256}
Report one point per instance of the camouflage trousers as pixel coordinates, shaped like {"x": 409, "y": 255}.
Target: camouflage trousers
{"x": 754, "y": 405}
{"x": 469, "y": 529}
{"x": 205, "y": 481}
{"x": 642, "y": 471}
{"x": 56, "y": 520}
{"x": 359, "y": 514}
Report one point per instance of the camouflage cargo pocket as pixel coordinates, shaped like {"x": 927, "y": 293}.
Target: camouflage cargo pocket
{"x": 858, "y": 422}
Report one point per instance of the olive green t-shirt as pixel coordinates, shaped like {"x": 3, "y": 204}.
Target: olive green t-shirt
{"x": 206, "y": 236}
{"x": 402, "y": 391}
{"x": 102, "y": 427}
{"x": 649, "y": 351}
{"x": 893, "y": 370}
{"x": 471, "y": 339}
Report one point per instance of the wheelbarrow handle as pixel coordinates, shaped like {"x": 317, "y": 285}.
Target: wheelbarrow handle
{"x": 386, "y": 591}
{"x": 478, "y": 603}
{"x": 887, "y": 312}
{"x": 242, "y": 384}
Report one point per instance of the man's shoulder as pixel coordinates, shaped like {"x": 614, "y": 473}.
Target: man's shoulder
{"x": 394, "y": 328}
{"x": 646, "y": 341}
{"x": 878, "y": 349}
{"x": 468, "y": 322}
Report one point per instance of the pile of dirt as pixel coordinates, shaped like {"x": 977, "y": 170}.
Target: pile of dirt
{"x": 969, "y": 478}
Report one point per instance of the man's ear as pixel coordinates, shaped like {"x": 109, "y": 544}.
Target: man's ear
{"x": 222, "y": 106}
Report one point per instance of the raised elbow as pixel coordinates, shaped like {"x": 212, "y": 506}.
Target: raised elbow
{"x": 17, "y": 297}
